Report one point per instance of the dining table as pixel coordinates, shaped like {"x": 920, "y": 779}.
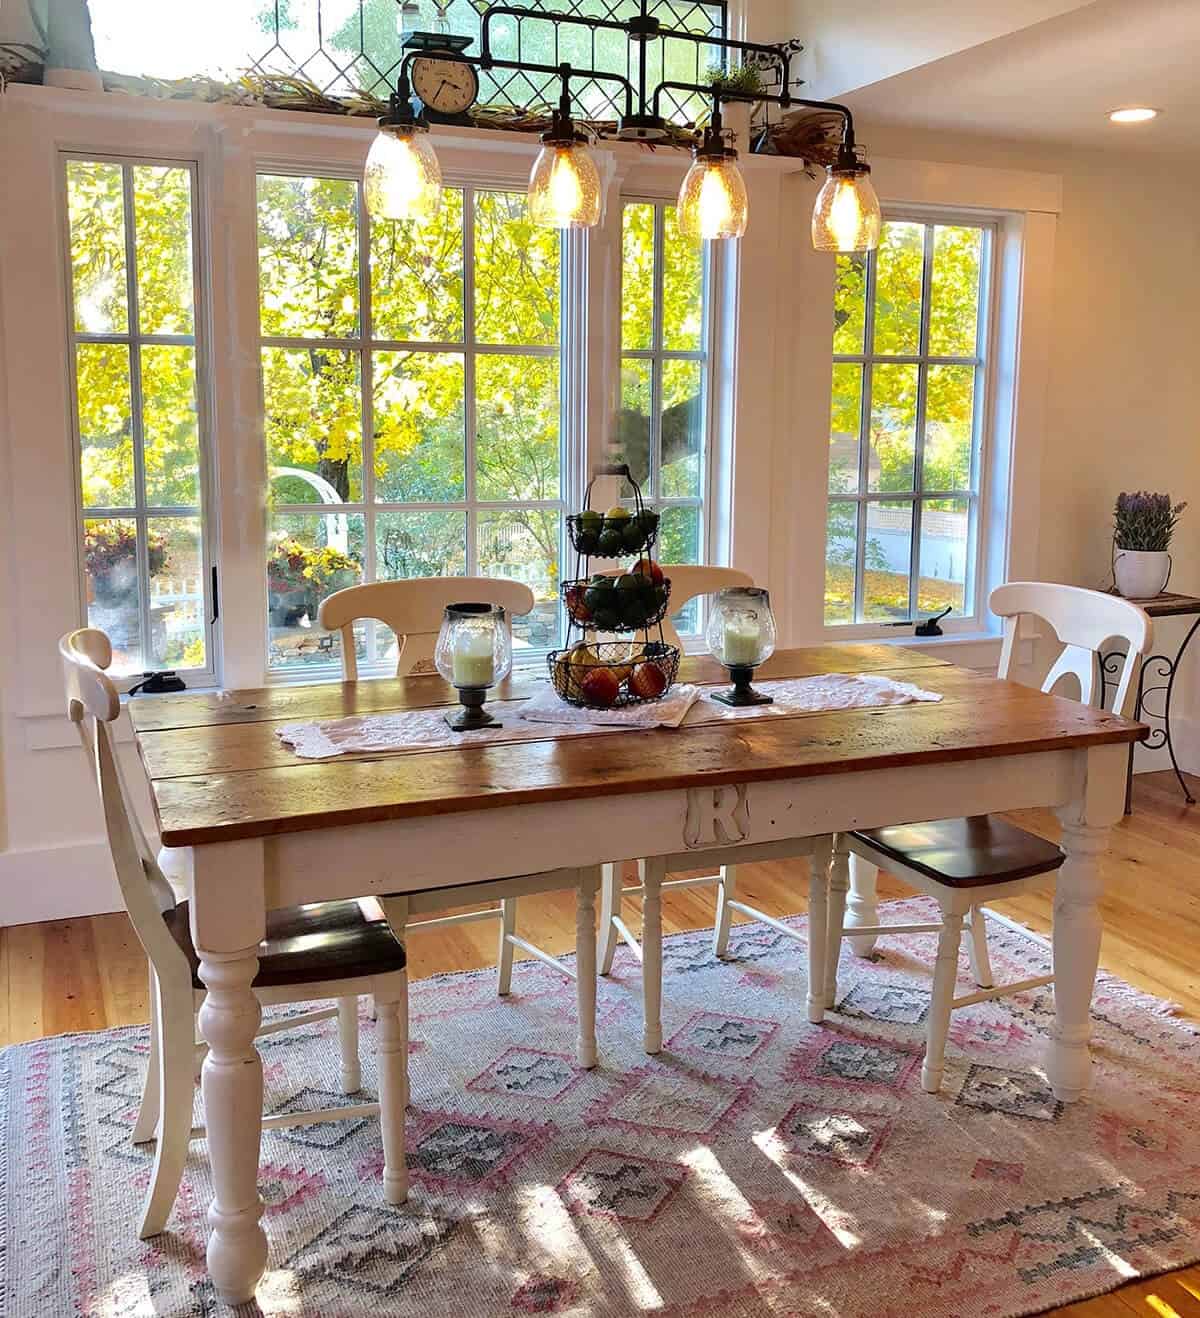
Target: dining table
{"x": 270, "y": 829}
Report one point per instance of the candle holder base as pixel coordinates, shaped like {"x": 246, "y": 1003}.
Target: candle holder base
{"x": 472, "y": 715}
{"x": 743, "y": 693}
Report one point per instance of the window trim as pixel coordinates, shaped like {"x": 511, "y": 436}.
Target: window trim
{"x": 141, "y": 511}
{"x": 981, "y": 572}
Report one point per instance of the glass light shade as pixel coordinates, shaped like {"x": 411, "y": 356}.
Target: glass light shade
{"x": 741, "y": 627}
{"x": 474, "y": 646}
{"x": 712, "y": 198}
{"x": 564, "y": 187}
{"x": 403, "y": 180}
{"x": 846, "y": 216}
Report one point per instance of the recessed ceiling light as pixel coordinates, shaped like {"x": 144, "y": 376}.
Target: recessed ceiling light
{"x": 1133, "y": 114}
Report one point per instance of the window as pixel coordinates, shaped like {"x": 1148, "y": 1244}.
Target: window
{"x": 910, "y": 349}
{"x": 662, "y": 423}
{"x": 136, "y": 366}
{"x": 412, "y": 403}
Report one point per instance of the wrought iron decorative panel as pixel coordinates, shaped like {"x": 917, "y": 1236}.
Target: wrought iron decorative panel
{"x": 348, "y": 45}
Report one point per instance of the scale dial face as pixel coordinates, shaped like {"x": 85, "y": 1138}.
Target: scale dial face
{"x": 445, "y": 86}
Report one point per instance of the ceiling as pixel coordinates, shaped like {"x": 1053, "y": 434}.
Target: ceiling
{"x": 1054, "y": 81}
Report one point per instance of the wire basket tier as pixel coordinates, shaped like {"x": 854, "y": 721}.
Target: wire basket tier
{"x": 598, "y": 535}
{"x": 574, "y": 672}
{"x": 628, "y": 603}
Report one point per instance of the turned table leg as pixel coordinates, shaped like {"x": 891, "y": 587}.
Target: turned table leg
{"x": 228, "y": 923}
{"x": 585, "y": 967}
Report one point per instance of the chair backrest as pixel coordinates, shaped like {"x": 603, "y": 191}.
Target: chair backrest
{"x": 413, "y": 610}
{"x": 93, "y": 705}
{"x": 689, "y": 580}
{"x": 1083, "y": 620}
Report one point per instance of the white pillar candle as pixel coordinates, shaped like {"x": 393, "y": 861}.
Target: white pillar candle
{"x": 473, "y": 663}
{"x": 741, "y": 642}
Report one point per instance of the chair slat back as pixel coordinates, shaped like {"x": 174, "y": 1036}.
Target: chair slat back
{"x": 688, "y": 580}
{"x": 1084, "y": 621}
{"x": 413, "y": 610}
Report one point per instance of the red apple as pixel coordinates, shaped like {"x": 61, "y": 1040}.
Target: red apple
{"x": 576, "y": 606}
{"x": 647, "y": 567}
{"x": 648, "y": 681}
{"x": 600, "y": 687}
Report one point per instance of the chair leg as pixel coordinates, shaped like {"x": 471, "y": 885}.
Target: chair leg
{"x": 945, "y": 973}
{"x": 146, "y": 1125}
{"x": 585, "y": 968}
{"x": 504, "y": 956}
{"x": 652, "y": 877}
{"x": 395, "y": 910}
{"x": 839, "y": 886}
{"x": 981, "y": 963}
{"x": 391, "y": 1052}
{"x": 818, "y": 925}
{"x": 350, "y": 1073}
{"x": 176, "y": 1056}
{"x": 726, "y": 892}
{"x": 610, "y": 905}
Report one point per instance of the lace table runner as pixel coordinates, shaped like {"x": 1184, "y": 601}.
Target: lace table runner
{"x": 545, "y": 716}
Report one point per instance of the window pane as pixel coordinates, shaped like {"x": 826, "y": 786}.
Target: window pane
{"x": 517, "y": 410}
{"x": 309, "y": 556}
{"x": 313, "y": 424}
{"x": 176, "y": 593}
{"x": 516, "y": 273}
{"x": 949, "y": 427}
{"x": 110, "y": 562}
{"x": 417, "y": 275}
{"x": 633, "y": 423}
{"x": 420, "y": 544}
{"x": 105, "y": 424}
{"x": 845, "y": 420}
{"x": 850, "y": 302}
{"x": 841, "y": 540}
{"x": 898, "y": 269}
{"x": 96, "y": 213}
{"x": 170, "y": 426}
{"x": 888, "y": 560}
{"x": 683, "y": 288}
{"x": 679, "y": 542}
{"x": 954, "y": 292}
{"x": 944, "y": 541}
{"x": 308, "y": 256}
{"x": 682, "y": 428}
{"x": 893, "y": 427}
{"x": 420, "y": 437}
{"x": 523, "y": 544}
{"x": 162, "y": 213}
{"x": 637, "y": 276}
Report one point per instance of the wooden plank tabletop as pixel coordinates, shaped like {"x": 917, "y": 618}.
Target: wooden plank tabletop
{"x": 219, "y": 773}
{"x": 1168, "y": 604}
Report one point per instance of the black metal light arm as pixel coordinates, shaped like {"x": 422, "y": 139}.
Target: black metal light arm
{"x": 783, "y": 99}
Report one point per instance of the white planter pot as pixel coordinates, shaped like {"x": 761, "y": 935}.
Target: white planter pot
{"x": 1140, "y": 574}
{"x": 736, "y": 117}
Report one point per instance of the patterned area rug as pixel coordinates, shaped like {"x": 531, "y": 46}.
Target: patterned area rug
{"x": 761, "y": 1165}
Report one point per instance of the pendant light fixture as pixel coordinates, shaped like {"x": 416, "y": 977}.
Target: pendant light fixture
{"x": 846, "y": 215}
{"x": 403, "y": 180}
{"x": 712, "y": 198}
{"x": 564, "y": 184}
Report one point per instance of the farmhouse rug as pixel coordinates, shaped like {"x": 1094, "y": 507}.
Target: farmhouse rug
{"x": 761, "y": 1165}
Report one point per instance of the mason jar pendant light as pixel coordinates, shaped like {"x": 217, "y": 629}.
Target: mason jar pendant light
{"x": 564, "y": 184}
{"x": 402, "y": 179}
{"x": 846, "y": 215}
{"x": 712, "y": 198}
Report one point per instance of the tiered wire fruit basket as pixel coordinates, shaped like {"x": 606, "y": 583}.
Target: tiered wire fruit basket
{"x": 637, "y": 664}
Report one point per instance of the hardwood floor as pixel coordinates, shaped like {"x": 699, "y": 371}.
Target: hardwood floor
{"x": 88, "y": 974}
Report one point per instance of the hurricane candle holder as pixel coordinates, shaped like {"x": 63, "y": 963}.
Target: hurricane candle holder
{"x": 473, "y": 653}
{"x": 741, "y": 635}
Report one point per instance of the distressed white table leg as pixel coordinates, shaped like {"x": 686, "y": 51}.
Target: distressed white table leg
{"x": 228, "y": 923}
{"x": 391, "y": 1052}
{"x": 862, "y": 904}
{"x": 839, "y": 882}
{"x": 818, "y": 925}
{"x": 585, "y": 968}
{"x": 652, "y": 877}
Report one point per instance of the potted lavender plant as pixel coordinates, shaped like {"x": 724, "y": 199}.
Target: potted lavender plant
{"x": 1143, "y": 524}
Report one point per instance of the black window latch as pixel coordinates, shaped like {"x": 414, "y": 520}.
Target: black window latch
{"x": 159, "y": 684}
{"x": 930, "y": 626}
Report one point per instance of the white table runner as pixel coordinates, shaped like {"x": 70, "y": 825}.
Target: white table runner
{"x": 545, "y": 715}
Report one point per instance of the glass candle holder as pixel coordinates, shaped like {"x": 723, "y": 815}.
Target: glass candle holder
{"x": 741, "y": 635}
{"x": 473, "y": 653}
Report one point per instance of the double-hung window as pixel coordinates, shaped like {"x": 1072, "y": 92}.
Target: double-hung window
{"x": 136, "y": 370}
{"x": 910, "y": 347}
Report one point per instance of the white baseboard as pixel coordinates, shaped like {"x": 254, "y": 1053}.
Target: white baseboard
{"x": 55, "y": 883}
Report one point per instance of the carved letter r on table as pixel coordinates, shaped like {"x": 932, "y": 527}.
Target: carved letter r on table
{"x": 716, "y": 816}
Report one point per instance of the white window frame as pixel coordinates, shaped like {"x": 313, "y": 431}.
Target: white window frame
{"x": 981, "y": 568}
{"x": 140, "y": 512}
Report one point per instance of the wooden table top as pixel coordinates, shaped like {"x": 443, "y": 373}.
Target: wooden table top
{"x": 219, "y": 773}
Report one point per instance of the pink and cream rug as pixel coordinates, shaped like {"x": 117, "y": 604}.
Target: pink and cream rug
{"x": 761, "y": 1165}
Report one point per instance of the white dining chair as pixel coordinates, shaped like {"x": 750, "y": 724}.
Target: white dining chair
{"x": 311, "y": 953}
{"x": 412, "y": 610}
{"x": 965, "y": 863}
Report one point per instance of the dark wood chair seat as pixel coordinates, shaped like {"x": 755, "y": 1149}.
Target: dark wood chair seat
{"x": 966, "y": 853}
{"x": 310, "y": 944}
